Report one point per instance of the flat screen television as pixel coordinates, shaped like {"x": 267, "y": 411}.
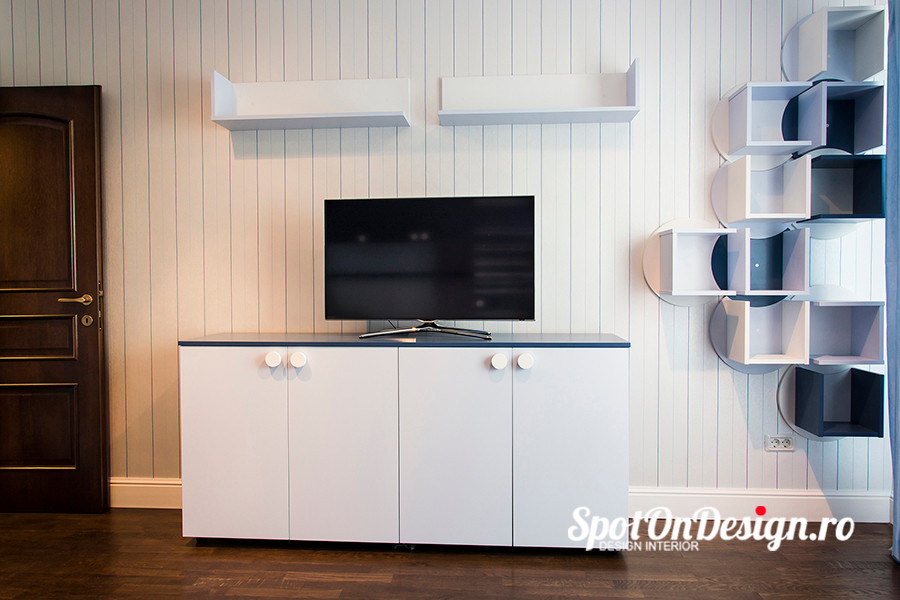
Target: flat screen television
{"x": 430, "y": 258}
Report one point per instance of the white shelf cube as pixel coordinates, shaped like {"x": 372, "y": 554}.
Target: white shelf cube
{"x": 686, "y": 262}
{"x": 310, "y": 104}
{"x": 775, "y": 266}
{"x": 777, "y": 334}
{"x": 778, "y": 195}
{"x": 847, "y": 333}
{"x": 844, "y": 116}
{"x": 530, "y": 99}
{"x": 755, "y": 112}
{"x": 846, "y": 44}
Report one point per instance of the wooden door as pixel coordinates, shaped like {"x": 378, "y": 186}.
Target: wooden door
{"x": 343, "y": 444}
{"x": 54, "y": 447}
{"x": 455, "y": 447}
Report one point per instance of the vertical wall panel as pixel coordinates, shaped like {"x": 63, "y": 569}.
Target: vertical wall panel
{"x": 270, "y": 166}
{"x": 107, "y": 69}
{"x": 210, "y": 231}
{"x": 162, "y": 226}
{"x": 216, "y": 141}
{"x": 6, "y": 43}
{"x": 136, "y": 238}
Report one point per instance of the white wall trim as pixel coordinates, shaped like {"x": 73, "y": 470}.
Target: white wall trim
{"x": 814, "y": 505}
{"x": 144, "y": 492}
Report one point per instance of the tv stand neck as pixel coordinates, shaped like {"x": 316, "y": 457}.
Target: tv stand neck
{"x": 430, "y": 327}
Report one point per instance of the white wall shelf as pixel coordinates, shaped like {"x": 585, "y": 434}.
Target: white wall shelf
{"x": 529, "y": 99}
{"x": 310, "y": 104}
{"x": 773, "y": 266}
{"x": 686, "y": 262}
{"x": 846, "y": 333}
{"x": 777, "y": 334}
{"x": 847, "y": 44}
{"x": 842, "y": 116}
{"x": 749, "y": 120}
{"x": 743, "y": 197}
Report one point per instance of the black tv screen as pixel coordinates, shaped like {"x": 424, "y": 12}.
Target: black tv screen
{"x": 430, "y": 258}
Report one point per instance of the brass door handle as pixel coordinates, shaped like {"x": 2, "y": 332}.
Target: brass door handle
{"x": 86, "y": 299}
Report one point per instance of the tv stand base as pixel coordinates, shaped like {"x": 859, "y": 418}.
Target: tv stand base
{"x": 429, "y": 327}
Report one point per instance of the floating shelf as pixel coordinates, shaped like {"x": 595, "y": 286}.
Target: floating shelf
{"x": 777, "y": 334}
{"x": 846, "y": 44}
{"x": 310, "y": 104}
{"x": 749, "y": 121}
{"x": 686, "y": 262}
{"x": 599, "y": 98}
{"x": 742, "y": 197}
{"x": 773, "y": 266}
{"x": 846, "y": 333}
{"x": 839, "y": 115}
{"x": 847, "y": 188}
{"x": 847, "y": 403}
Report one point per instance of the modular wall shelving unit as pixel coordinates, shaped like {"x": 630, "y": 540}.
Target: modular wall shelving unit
{"x": 528, "y": 99}
{"x": 794, "y": 171}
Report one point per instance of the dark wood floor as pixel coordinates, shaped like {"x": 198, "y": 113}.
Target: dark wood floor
{"x": 141, "y": 554}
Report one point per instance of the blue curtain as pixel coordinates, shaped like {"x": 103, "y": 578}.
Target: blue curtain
{"x": 892, "y": 255}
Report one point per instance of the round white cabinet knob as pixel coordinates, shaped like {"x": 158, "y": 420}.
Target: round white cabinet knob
{"x": 273, "y": 359}
{"x": 525, "y": 361}
{"x": 499, "y": 361}
{"x": 298, "y": 359}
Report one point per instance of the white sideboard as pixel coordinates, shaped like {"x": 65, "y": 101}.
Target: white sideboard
{"x": 426, "y": 440}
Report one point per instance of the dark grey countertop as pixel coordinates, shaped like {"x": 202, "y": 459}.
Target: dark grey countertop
{"x": 505, "y": 340}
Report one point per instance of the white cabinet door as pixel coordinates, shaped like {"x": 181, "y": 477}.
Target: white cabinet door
{"x": 570, "y": 440}
{"x": 455, "y": 447}
{"x": 234, "y": 476}
{"x": 343, "y": 444}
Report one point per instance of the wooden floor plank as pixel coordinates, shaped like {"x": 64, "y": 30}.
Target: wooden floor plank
{"x": 131, "y": 554}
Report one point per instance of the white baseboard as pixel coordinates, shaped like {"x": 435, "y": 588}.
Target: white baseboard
{"x": 144, "y": 492}
{"x": 813, "y": 505}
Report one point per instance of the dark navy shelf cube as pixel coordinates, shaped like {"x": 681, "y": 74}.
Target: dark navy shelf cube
{"x": 841, "y": 115}
{"x": 847, "y": 188}
{"x": 847, "y": 403}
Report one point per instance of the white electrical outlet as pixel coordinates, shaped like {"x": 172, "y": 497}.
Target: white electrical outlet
{"x": 779, "y": 443}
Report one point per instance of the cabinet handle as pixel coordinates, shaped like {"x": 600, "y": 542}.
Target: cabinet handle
{"x": 273, "y": 359}
{"x": 525, "y": 361}
{"x": 499, "y": 361}
{"x": 298, "y": 360}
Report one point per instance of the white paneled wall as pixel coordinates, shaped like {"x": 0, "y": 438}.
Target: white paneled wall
{"x": 209, "y": 231}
